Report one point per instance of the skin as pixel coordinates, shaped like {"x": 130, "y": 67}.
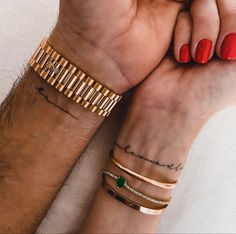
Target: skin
{"x": 175, "y": 102}
{"x": 35, "y": 119}
{"x": 116, "y": 34}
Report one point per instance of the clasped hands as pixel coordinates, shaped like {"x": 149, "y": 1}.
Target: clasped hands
{"x": 176, "y": 56}
{"x": 124, "y": 43}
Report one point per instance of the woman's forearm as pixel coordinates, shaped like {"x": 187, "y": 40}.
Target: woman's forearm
{"x": 153, "y": 145}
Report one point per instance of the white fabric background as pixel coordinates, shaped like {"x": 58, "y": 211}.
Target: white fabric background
{"x": 205, "y": 200}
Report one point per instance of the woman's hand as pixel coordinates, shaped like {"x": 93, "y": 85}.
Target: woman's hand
{"x": 198, "y": 91}
{"x": 168, "y": 110}
{"x": 118, "y": 42}
{"x": 166, "y": 113}
{"x": 209, "y": 27}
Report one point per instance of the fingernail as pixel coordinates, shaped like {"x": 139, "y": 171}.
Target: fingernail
{"x": 203, "y": 51}
{"x": 184, "y": 53}
{"x": 228, "y": 48}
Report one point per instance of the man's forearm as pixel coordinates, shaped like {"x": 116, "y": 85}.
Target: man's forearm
{"x": 42, "y": 135}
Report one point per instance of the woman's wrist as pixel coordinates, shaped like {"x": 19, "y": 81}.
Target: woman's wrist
{"x": 153, "y": 146}
{"x": 156, "y": 145}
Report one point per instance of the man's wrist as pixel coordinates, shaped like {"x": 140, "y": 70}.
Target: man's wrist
{"x": 72, "y": 81}
{"x": 89, "y": 58}
{"x": 51, "y": 103}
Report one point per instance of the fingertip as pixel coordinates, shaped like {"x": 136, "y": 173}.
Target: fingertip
{"x": 203, "y": 51}
{"x": 185, "y": 53}
{"x": 182, "y": 38}
{"x": 228, "y": 47}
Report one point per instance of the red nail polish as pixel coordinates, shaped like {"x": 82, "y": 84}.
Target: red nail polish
{"x": 184, "y": 54}
{"x": 203, "y": 51}
{"x": 228, "y": 48}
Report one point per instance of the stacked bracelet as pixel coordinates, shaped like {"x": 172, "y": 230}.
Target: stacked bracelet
{"x": 122, "y": 182}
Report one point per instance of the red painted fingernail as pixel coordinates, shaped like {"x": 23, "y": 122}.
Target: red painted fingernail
{"x": 228, "y": 48}
{"x": 203, "y": 51}
{"x": 184, "y": 53}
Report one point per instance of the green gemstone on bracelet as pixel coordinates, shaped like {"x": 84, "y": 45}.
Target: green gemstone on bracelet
{"x": 120, "y": 182}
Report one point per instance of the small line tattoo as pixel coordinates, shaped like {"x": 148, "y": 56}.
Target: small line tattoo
{"x": 170, "y": 166}
{"x": 41, "y": 93}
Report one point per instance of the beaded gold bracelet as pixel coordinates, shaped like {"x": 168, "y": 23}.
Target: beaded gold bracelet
{"x": 129, "y": 203}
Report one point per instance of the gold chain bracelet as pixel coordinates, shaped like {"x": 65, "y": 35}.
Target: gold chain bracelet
{"x": 71, "y": 81}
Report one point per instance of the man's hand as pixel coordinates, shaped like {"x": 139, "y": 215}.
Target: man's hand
{"x": 118, "y": 42}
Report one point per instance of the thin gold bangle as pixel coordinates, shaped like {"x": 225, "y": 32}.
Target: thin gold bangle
{"x": 129, "y": 203}
{"x": 159, "y": 184}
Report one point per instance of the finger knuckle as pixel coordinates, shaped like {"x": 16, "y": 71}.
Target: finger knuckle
{"x": 231, "y": 13}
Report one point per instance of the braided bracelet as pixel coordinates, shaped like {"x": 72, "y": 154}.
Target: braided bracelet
{"x": 122, "y": 182}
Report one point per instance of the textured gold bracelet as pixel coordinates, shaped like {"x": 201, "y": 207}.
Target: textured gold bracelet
{"x": 159, "y": 184}
{"x": 122, "y": 182}
{"x": 71, "y": 81}
{"x": 129, "y": 203}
